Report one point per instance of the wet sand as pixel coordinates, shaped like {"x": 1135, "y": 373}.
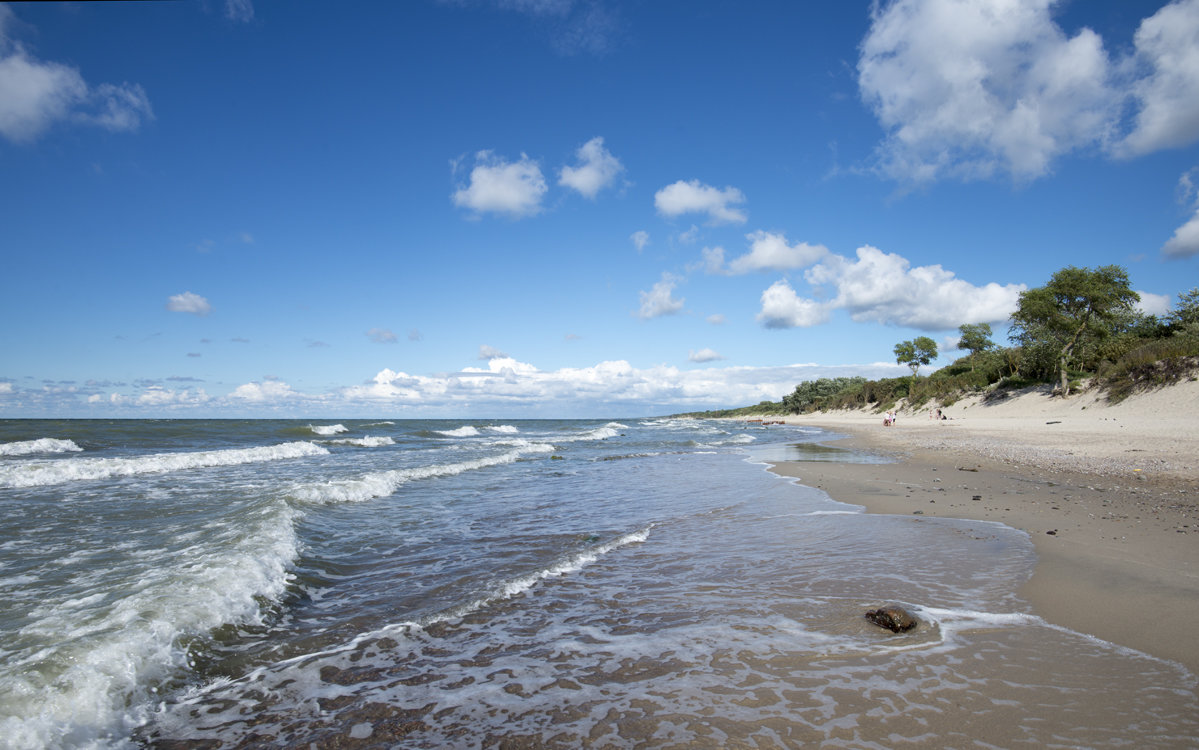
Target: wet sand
{"x": 1110, "y": 500}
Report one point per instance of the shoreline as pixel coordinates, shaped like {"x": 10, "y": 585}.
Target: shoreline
{"x": 1114, "y": 519}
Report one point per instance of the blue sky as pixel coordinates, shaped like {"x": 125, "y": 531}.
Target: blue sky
{"x": 562, "y": 207}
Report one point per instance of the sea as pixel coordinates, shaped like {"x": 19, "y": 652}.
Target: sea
{"x": 607, "y": 583}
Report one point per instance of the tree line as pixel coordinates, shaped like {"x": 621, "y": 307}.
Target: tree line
{"x": 1082, "y": 324}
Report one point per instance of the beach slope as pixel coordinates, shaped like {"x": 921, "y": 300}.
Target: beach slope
{"x": 1109, "y": 495}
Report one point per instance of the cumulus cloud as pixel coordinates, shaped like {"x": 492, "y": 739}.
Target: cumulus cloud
{"x": 267, "y": 391}
{"x": 783, "y": 308}
{"x": 696, "y": 197}
{"x": 490, "y": 352}
{"x": 1185, "y": 241}
{"x": 597, "y": 169}
{"x": 497, "y": 186}
{"x": 1154, "y": 304}
{"x": 640, "y": 239}
{"x": 660, "y": 300}
{"x": 502, "y": 387}
{"x": 970, "y": 90}
{"x": 189, "y": 303}
{"x": 770, "y": 252}
{"x": 37, "y": 94}
{"x": 704, "y": 355}
{"x": 381, "y": 336}
{"x": 507, "y": 385}
{"x": 1167, "y": 44}
{"x": 885, "y": 288}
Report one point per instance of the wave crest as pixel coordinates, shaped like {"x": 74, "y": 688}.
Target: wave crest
{"x": 41, "y": 445}
{"x": 40, "y": 473}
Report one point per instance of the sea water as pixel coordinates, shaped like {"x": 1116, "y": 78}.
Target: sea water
{"x": 474, "y": 583}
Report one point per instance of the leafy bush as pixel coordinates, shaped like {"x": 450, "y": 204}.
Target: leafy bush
{"x": 1154, "y": 364}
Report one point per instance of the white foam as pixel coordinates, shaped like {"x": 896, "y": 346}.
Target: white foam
{"x": 40, "y": 473}
{"x": 95, "y": 679}
{"x": 328, "y": 429}
{"x": 570, "y": 565}
{"x": 41, "y": 445}
{"x": 610, "y": 430}
{"x": 364, "y": 442}
{"x": 384, "y": 483}
{"x": 503, "y": 429}
{"x": 464, "y": 431}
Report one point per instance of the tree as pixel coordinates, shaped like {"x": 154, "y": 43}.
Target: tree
{"x": 1076, "y": 306}
{"x": 919, "y": 351}
{"x": 976, "y": 338}
{"x": 1186, "y": 312}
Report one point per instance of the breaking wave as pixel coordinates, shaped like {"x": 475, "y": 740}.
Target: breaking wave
{"x": 41, "y": 445}
{"x": 384, "y": 483}
{"x": 328, "y": 429}
{"x": 40, "y": 473}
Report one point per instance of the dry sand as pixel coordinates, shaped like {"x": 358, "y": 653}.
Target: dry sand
{"x": 1108, "y": 494}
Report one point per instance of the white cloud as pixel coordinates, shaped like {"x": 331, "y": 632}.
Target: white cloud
{"x": 381, "y": 336}
{"x": 1167, "y": 44}
{"x": 711, "y": 260}
{"x": 189, "y": 303}
{"x": 1185, "y": 241}
{"x": 1154, "y": 304}
{"x": 640, "y": 239}
{"x": 36, "y": 94}
{"x": 157, "y": 396}
{"x": 578, "y": 28}
{"x": 266, "y": 391}
{"x": 660, "y": 300}
{"x": 695, "y": 197}
{"x": 970, "y": 89}
{"x": 716, "y": 319}
{"x": 503, "y": 187}
{"x": 597, "y": 169}
{"x": 504, "y": 387}
{"x": 508, "y": 386}
{"x": 770, "y": 252}
{"x": 241, "y": 11}
{"x": 885, "y": 288}
{"x": 783, "y": 308}
{"x": 704, "y": 355}
{"x": 491, "y": 353}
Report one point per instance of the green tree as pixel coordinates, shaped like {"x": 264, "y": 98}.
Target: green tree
{"x": 976, "y": 338}
{"x": 1077, "y": 307}
{"x": 919, "y": 351}
{"x": 1186, "y": 312}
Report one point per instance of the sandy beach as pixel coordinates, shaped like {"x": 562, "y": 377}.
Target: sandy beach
{"x": 1109, "y": 495}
